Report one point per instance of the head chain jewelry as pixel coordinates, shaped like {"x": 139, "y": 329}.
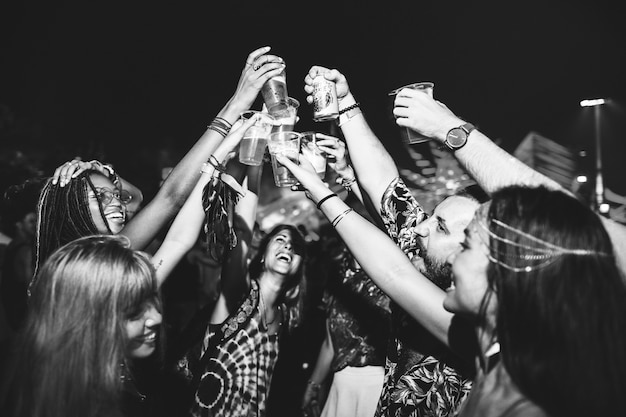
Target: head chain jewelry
{"x": 542, "y": 255}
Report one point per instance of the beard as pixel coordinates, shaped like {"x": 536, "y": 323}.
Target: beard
{"x": 439, "y": 272}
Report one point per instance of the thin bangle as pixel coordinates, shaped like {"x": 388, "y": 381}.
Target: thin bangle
{"x": 319, "y": 203}
{"x": 337, "y": 219}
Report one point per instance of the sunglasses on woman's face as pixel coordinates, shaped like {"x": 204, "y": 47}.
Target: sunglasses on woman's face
{"x": 105, "y": 196}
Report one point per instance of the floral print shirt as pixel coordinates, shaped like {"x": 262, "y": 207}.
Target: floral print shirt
{"x": 422, "y": 376}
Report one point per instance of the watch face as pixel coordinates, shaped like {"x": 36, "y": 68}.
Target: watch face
{"x": 456, "y": 137}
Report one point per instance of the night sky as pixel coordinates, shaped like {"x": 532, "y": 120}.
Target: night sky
{"x": 128, "y": 80}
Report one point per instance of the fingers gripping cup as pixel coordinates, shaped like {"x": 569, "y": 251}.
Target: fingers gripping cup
{"x": 254, "y": 141}
{"x": 409, "y": 136}
{"x": 315, "y": 155}
{"x": 286, "y": 116}
{"x": 285, "y": 143}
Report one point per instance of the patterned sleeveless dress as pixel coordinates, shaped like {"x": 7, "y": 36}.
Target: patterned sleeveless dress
{"x": 236, "y": 364}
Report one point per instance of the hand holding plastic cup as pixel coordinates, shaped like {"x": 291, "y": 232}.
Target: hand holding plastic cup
{"x": 286, "y": 143}
{"x": 315, "y": 155}
{"x": 409, "y": 136}
{"x": 286, "y": 116}
{"x": 254, "y": 141}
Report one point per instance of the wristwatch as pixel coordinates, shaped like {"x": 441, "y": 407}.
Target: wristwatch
{"x": 457, "y": 136}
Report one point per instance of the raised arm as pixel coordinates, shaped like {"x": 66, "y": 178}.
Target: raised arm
{"x": 379, "y": 257}
{"x": 374, "y": 166}
{"x": 491, "y": 166}
{"x": 142, "y": 229}
{"x": 185, "y": 229}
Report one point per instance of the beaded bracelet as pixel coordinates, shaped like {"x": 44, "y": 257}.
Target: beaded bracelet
{"x": 353, "y": 106}
{"x": 337, "y": 219}
{"x": 319, "y": 203}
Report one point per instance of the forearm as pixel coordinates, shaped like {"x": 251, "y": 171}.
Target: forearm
{"x": 390, "y": 269}
{"x": 183, "y": 177}
{"x": 185, "y": 228}
{"x": 323, "y": 363}
{"x": 374, "y": 166}
{"x": 493, "y": 168}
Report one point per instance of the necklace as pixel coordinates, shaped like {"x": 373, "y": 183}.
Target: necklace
{"x": 264, "y": 311}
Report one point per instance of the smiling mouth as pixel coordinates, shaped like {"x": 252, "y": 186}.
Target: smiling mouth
{"x": 149, "y": 338}
{"x": 285, "y": 257}
{"x": 116, "y": 216}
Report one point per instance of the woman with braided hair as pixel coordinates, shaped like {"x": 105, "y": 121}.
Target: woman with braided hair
{"x": 85, "y": 198}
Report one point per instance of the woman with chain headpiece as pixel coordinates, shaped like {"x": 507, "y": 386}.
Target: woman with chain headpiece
{"x": 538, "y": 278}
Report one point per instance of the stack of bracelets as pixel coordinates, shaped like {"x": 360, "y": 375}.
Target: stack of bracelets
{"x": 221, "y": 126}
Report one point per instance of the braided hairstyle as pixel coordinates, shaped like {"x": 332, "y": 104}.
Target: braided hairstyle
{"x": 63, "y": 215}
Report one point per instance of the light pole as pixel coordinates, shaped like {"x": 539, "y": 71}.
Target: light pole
{"x": 596, "y": 103}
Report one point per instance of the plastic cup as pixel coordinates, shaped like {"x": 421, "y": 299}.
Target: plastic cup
{"x": 317, "y": 157}
{"x": 254, "y": 141}
{"x": 409, "y": 136}
{"x": 285, "y": 143}
{"x": 285, "y": 115}
{"x": 274, "y": 92}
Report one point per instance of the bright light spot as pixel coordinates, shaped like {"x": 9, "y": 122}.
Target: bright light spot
{"x": 581, "y": 179}
{"x": 594, "y": 102}
{"x": 604, "y": 208}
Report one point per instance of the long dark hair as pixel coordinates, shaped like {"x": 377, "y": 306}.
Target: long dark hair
{"x": 70, "y": 355}
{"x": 63, "y": 215}
{"x": 295, "y": 287}
{"x": 562, "y": 324}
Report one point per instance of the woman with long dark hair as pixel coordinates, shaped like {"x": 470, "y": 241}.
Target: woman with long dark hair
{"x": 538, "y": 278}
{"x": 538, "y": 272}
{"x": 261, "y": 296}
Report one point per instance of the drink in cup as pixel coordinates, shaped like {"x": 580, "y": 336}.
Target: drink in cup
{"x": 317, "y": 157}
{"x": 285, "y": 143}
{"x": 325, "y": 104}
{"x": 274, "y": 92}
{"x": 409, "y": 136}
{"x": 285, "y": 116}
{"x": 254, "y": 141}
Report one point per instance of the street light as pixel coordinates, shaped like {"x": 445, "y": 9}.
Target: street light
{"x": 596, "y": 103}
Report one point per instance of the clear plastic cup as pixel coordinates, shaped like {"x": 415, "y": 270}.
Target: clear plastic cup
{"x": 254, "y": 141}
{"x": 317, "y": 157}
{"x": 286, "y": 115}
{"x": 409, "y": 136}
{"x": 285, "y": 143}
